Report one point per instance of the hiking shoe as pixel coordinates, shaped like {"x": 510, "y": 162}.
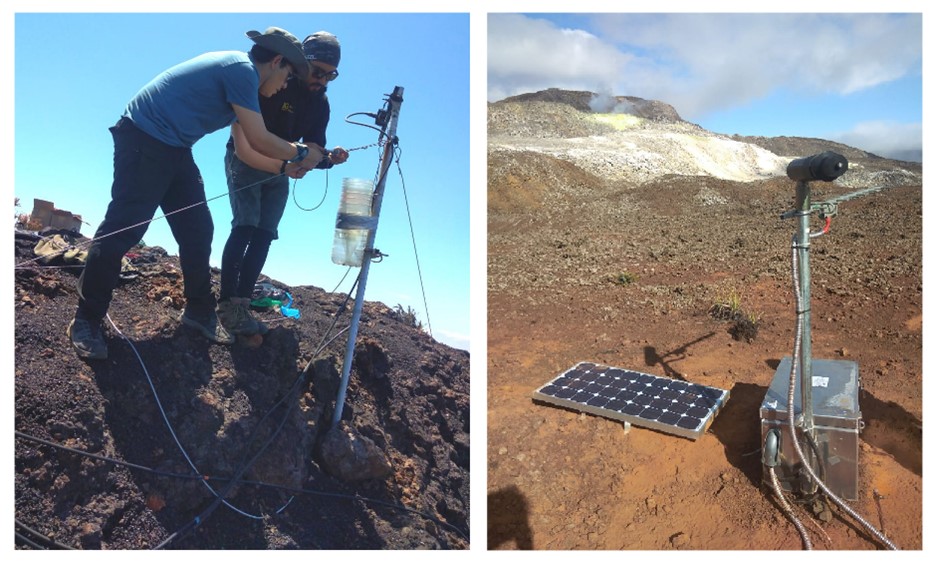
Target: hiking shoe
{"x": 244, "y": 304}
{"x": 208, "y": 326}
{"x": 235, "y": 318}
{"x": 87, "y": 339}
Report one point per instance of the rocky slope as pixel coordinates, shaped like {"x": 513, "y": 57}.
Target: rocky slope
{"x": 108, "y": 454}
{"x": 637, "y": 140}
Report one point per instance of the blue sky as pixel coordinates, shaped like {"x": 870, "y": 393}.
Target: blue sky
{"x": 74, "y": 74}
{"x": 752, "y": 74}
{"x": 852, "y": 78}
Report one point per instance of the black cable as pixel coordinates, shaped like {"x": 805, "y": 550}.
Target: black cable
{"x": 365, "y": 500}
{"x": 49, "y": 542}
{"x": 373, "y": 115}
{"x": 21, "y": 539}
{"x": 323, "y": 196}
{"x": 98, "y": 457}
{"x": 189, "y": 476}
{"x": 340, "y": 310}
{"x": 219, "y": 498}
{"x": 87, "y": 243}
{"x": 206, "y": 513}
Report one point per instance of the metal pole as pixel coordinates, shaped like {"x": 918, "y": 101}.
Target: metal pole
{"x": 803, "y": 206}
{"x": 394, "y": 102}
{"x": 826, "y": 166}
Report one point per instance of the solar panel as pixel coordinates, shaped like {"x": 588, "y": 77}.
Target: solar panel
{"x": 668, "y": 405}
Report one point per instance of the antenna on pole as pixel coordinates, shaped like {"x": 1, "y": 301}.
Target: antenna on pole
{"x": 387, "y": 119}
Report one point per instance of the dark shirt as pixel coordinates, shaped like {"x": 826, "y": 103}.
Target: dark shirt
{"x": 297, "y": 114}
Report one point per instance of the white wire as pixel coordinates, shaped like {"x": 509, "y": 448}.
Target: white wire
{"x": 172, "y": 431}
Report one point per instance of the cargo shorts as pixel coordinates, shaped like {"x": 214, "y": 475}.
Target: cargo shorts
{"x": 257, "y": 198}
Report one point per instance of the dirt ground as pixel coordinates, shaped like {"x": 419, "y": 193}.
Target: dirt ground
{"x": 110, "y": 454}
{"x": 558, "y": 240}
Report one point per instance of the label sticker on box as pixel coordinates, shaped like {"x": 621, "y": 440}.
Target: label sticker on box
{"x": 818, "y": 381}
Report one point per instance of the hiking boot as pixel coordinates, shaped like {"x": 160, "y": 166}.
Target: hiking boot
{"x": 87, "y": 339}
{"x": 244, "y": 303}
{"x": 208, "y": 326}
{"x": 235, "y": 318}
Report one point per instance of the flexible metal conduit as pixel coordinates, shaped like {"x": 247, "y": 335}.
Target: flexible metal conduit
{"x": 787, "y": 507}
{"x": 791, "y": 397}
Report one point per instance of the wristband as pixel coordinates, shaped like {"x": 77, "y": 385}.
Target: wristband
{"x": 302, "y": 153}
{"x": 282, "y": 168}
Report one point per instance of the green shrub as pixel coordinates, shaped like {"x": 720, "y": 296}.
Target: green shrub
{"x": 745, "y": 325}
{"x": 624, "y": 278}
{"x": 407, "y": 316}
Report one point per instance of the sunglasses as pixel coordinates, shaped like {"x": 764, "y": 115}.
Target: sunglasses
{"x": 327, "y": 75}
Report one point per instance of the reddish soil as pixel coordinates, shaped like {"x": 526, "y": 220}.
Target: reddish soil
{"x": 559, "y": 479}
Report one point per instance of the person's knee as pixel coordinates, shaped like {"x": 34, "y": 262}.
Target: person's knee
{"x": 106, "y": 253}
{"x": 261, "y": 237}
{"x": 243, "y": 231}
{"x": 112, "y": 248}
{"x": 203, "y": 229}
{"x": 195, "y": 233}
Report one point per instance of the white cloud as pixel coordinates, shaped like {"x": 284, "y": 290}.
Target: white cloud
{"x": 453, "y": 339}
{"x": 527, "y": 55}
{"x": 701, "y": 63}
{"x": 884, "y": 138}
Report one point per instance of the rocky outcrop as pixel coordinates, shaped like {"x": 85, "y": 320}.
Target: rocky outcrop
{"x": 591, "y": 102}
{"x": 636, "y": 141}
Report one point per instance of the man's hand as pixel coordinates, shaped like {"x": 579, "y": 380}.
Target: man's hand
{"x": 295, "y": 170}
{"x": 338, "y": 155}
{"x": 315, "y": 154}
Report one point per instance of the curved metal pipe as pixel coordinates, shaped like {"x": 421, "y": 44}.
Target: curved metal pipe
{"x": 791, "y": 425}
{"x": 791, "y": 515}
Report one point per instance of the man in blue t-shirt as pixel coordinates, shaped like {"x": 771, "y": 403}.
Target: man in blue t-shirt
{"x": 259, "y": 186}
{"x": 153, "y": 168}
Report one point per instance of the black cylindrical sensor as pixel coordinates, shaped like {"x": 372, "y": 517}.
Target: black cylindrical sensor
{"x": 826, "y": 166}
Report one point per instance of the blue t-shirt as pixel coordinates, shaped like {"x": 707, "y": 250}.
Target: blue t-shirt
{"x": 192, "y": 99}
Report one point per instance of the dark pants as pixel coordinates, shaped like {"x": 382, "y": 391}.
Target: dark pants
{"x": 243, "y": 260}
{"x": 148, "y": 174}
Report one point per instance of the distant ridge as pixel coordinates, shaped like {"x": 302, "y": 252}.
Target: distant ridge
{"x": 591, "y": 102}
{"x": 635, "y": 141}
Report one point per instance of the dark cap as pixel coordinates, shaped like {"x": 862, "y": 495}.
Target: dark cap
{"x": 281, "y": 41}
{"x": 322, "y": 46}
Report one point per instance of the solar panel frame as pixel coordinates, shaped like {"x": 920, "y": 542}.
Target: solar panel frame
{"x": 659, "y": 403}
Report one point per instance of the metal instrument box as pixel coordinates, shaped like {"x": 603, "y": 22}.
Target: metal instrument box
{"x": 837, "y": 424}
